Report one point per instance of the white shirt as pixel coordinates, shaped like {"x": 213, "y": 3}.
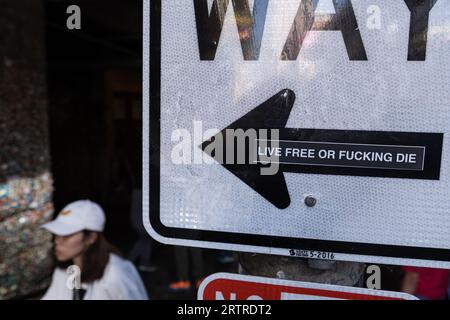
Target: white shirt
{"x": 120, "y": 281}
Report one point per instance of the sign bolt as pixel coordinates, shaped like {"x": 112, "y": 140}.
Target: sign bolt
{"x": 310, "y": 201}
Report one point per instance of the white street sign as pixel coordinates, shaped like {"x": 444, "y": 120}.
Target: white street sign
{"x": 307, "y": 128}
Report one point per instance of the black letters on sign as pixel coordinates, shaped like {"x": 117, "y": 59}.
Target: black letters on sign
{"x": 250, "y": 27}
{"x": 306, "y": 20}
{"x": 418, "y": 32}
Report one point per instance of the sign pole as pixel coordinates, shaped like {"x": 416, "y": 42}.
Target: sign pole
{"x": 300, "y": 269}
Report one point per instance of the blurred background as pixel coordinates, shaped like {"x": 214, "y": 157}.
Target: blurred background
{"x": 70, "y": 129}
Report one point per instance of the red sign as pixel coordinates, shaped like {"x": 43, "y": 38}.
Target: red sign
{"x": 223, "y": 286}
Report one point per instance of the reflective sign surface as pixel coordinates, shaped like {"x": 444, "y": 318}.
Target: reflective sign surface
{"x": 299, "y": 127}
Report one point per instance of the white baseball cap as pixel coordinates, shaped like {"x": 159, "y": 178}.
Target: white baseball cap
{"x": 77, "y": 216}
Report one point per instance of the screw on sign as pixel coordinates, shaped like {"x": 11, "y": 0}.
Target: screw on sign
{"x": 224, "y": 286}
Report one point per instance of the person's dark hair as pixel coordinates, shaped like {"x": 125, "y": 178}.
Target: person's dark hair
{"x": 95, "y": 258}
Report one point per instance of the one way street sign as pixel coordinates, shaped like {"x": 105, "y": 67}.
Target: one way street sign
{"x": 308, "y": 128}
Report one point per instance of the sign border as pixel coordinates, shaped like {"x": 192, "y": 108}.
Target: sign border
{"x": 344, "y": 251}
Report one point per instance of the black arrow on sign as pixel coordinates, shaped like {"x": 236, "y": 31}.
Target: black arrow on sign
{"x": 274, "y": 114}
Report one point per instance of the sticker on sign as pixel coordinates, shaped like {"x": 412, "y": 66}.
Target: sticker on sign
{"x": 294, "y": 126}
{"x": 227, "y": 286}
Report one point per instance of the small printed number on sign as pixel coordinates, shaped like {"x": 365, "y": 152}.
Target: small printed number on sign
{"x": 311, "y": 254}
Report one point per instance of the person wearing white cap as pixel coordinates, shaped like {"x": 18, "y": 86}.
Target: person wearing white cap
{"x": 80, "y": 245}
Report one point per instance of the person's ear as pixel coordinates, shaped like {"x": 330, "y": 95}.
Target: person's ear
{"x": 93, "y": 236}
